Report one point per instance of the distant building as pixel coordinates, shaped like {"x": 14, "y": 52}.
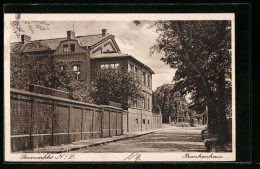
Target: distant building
{"x": 181, "y": 112}
{"x": 87, "y": 54}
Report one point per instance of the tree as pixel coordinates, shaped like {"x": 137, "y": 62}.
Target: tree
{"x": 169, "y": 102}
{"x": 38, "y": 70}
{"x": 163, "y": 98}
{"x": 200, "y": 51}
{"x": 44, "y": 71}
{"x": 81, "y": 91}
{"x": 116, "y": 85}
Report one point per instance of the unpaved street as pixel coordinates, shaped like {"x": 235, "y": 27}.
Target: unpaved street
{"x": 170, "y": 139}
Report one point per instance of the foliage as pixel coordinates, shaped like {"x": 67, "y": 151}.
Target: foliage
{"x": 116, "y": 85}
{"x": 163, "y": 98}
{"x": 43, "y": 71}
{"x": 200, "y": 51}
{"x": 81, "y": 91}
{"x": 168, "y": 101}
{"x": 30, "y": 69}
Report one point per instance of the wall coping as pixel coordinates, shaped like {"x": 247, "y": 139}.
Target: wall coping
{"x": 45, "y": 88}
{"x": 44, "y": 96}
{"x": 111, "y": 107}
{"x": 27, "y": 93}
{"x": 140, "y": 109}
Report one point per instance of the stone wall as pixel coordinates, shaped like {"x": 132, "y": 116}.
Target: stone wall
{"x": 39, "y": 120}
{"x": 142, "y": 120}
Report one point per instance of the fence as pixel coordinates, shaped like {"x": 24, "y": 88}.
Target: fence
{"x": 39, "y": 120}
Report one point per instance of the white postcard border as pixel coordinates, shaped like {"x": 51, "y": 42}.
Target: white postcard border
{"x": 119, "y": 157}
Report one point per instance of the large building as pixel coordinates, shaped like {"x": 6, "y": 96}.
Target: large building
{"x": 85, "y": 55}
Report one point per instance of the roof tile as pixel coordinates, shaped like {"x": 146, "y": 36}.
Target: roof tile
{"x": 52, "y": 44}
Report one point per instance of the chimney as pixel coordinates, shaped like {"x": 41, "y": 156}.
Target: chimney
{"x": 70, "y": 35}
{"x": 25, "y": 39}
{"x": 104, "y": 31}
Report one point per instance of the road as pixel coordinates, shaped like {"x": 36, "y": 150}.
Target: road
{"x": 170, "y": 139}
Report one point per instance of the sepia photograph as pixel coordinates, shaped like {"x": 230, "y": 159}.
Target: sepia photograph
{"x": 119, "y": 87}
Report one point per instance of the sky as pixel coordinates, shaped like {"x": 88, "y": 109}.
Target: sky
{"x": 131, "y": 39}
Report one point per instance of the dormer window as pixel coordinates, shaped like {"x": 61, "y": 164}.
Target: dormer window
{"x": 69, "y": 47}
{"x": 72, "y": 47}
{"x": 65, "y": 47}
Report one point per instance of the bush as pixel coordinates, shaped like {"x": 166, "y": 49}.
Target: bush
{"x": 212, "y": 143}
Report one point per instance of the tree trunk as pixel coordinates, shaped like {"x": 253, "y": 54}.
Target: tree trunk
{"x": 212, "y": 120}
{"x": 213, "y": 104}
{"x": 222, "y": 128}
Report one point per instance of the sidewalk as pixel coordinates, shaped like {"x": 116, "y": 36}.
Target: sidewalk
{"x": 88, "y": 143}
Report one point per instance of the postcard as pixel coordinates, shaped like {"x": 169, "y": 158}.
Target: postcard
{"x": 119, "y": 87}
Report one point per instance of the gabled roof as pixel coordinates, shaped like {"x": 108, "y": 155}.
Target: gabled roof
{"x": 52, "y": 44}
{"x": 119, "y": 55}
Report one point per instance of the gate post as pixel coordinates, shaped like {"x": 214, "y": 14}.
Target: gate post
{"x": 92, "y": 127}
{"x": 52, "y": 122}
{"x": 102, "y": 113}
{"x": 82, "y": 116}
{"x": 33, "y": 109}
{"x": 70, "y": 111}
{"x": 109, "y": 126}
{"x": 122, "y": 121}
{"x": 127, "y": 121}
{"x": 116, "y": 121}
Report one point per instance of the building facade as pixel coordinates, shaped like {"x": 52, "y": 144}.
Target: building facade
{"x": 85, "y": 55}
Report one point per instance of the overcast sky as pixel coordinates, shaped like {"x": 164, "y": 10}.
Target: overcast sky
{"x": 131, "y": 39}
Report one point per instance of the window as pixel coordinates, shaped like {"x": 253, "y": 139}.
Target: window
{"x": 65, "y": 48}
{"x": 116, "y": 65}
{"x": 143, "y": 78}
{"x": 149, "y": 80}
{"x": 111, "y": 66}
{"x": 131, "y": 68}
{"x": 135, "y": 103}
{"x": 143, "y": 104}
{"x": 148, "y": 122}
{"x": 76, "y": 70}
{"x": 148, "y": 101}
{"x": 143, "y": 121}
{"x": 136, "y": 72}
{"x": 103, "y": 66}
{"x": 136, "y": 121}
{"x": 72, "y": 47}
